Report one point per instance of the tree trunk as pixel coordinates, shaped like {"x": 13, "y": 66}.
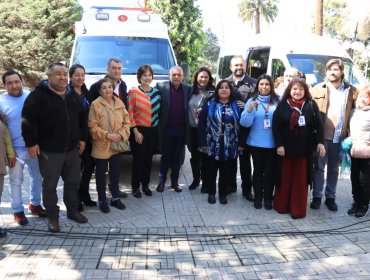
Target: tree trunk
{"x": 258, "y": 22}
{"x": 319, "y": 17}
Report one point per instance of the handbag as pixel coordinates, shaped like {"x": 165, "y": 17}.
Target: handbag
{"x": 360, "y": 149}
{"x": 121, "y": 146}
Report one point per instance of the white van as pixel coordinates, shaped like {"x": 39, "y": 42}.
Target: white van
{"x": 269, "y": 54}
{"x": 135, "y": 35}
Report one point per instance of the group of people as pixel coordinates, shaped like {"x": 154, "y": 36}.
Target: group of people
{"x": 62, "y": 129}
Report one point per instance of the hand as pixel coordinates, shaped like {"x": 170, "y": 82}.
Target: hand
{"x": 11, "y": 162}
{"x": 321, "y": 150}
{"x": 240, "y": 104}
{"x": 281, "y": 151}
{"x": 252, "y": 105}
{"x": 139, "y": 137}
{"x": 33, "y": 151}
{"x": 115, "y": 137}
{"x": 81, "y": 147}
{"x": 203, "y": 149}
{"x": 198, "y": 111}
{"x": 240, "y": 148}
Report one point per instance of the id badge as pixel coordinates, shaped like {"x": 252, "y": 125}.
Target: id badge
{"x": 301, "y": 121}
{"x": 266, "y": 123}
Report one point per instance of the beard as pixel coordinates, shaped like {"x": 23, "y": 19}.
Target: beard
{"x": 238, "y": 73}
{"x": 333, "y": 78}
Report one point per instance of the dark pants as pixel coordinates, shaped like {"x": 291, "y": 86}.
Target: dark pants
{"x": 88, "y": 166}
{"x": 172, "y": 149}
{"x": 142, "y": 156}
{"x": 225, "y": 168}
{"x": 197, "y": 167}
{"x": 264, "y": 164}
{"x": 246, "y": 171}
{"x": 52, "y": 166}
{"x": 360, "y": 179}
{"x": 114, "y": 171}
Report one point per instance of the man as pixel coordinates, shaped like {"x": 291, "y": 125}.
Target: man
{"x": 11, "y": 103}
{"x": 289, "y": 74}
{"x": 114, "y": 72}
{"x": 173, "y": 124}
{"x": 334, "y": 98}
{"x": 243, "y": 87}
{"x": 54, "y": 128}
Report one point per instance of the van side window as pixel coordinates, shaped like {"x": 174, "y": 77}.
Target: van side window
{"x": 224, "y": 67}
{"x": 257, "y": 61}
{"x": 278, "y": 68}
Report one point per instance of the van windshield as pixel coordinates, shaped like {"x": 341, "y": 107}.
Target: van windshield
{"x": 93, "y": 52}
{"x": 314, "y": 68}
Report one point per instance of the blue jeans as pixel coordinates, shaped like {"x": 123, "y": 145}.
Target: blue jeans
{"x": 114, "y": 172}
{"x": 331, "y": 161}
{"x": 16, "y": 180}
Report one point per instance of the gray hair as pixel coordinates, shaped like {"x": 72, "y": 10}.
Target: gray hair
{"x": 113, "y": 59}
{"x": 235, "y": 57}
{"x": 176, "y": 67}
{"x": 53, "y": 65}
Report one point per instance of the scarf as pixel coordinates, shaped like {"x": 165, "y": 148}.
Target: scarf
{"x": 296, "y": 112}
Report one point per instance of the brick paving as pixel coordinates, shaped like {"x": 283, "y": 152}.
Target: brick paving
{"x": 180, "y": 236}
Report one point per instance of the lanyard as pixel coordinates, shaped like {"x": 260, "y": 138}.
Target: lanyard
{"x": 265, "y": 108}
{"x": 295, "y": 108}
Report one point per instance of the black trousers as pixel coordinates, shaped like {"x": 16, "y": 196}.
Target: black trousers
{"x": 142, "y": 156}
{"x": 87, "y": 169}
{"x": 245, "y": 168}
{"x": 225, "y": 170}
{"x": 360, "y": 179}
{"x": 264, "y": 164}
{"x": 197, "y": 167}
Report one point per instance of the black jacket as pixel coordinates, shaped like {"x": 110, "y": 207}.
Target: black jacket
{"x": 94, "y": 92}
{"x": 55, "y": 123}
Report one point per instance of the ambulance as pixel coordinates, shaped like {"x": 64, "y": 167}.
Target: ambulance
{"x": 273, "y": 53}
{"x": 135, "y": 35}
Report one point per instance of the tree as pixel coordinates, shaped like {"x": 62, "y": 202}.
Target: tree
{"x": 35, "y": 33}
{"x": 185, "y": 30}
{"x": 251, "y": 10}
{"x": 319, "y": 17}
{"x": 212, "y": 50}
{"x": 334, "y": 16}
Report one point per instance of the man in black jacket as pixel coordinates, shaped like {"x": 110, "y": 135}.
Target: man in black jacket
{"x": 243, "y": 87}
{"x": 54, "y": 128}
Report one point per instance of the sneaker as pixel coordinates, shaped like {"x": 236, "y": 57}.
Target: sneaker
{"x": 330, "y": 203}
{"x": 352, "y": 211}
{"x": 20, "y": 218}
{"x": 362, "y": 211}
{"x": 211, "y": 199}
{"x": 77, "y": 217}
{"x": 315, "y": 203}
{"x": 104, "y": 207}
{"x": 37, "y": 210}
{"x": 118, "y": 204}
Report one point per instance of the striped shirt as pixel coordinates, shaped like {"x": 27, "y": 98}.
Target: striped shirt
{"x": 143, "y": 107}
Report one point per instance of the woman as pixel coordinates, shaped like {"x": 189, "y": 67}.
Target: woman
{"x": 296, "y": 120}
{"x": 218, "y": 136}
{"x": 143, "y": 108}
{"x": 108, "y": 122}
{"x": 203, "y": 89}
{"x": 360, "y": 154}
{"x": 7, "y": 156}
{"x": 77, "y": 82}
{"x": 257, "y": 115}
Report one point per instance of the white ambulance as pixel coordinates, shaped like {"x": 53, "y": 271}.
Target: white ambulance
{"x": 135, "y": 35}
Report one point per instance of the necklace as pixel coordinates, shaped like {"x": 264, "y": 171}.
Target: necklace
{"x": 145, "y": 91}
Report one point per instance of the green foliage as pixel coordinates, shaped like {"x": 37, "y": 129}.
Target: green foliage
{"x": 251, "y": 10}
{"x": 212, "y": 50}
{"x": 185, "y": 30}
{"x": 35, "y": 33}
{"x": 334, "y": 18}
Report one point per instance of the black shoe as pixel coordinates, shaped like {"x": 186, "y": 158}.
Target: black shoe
{"x": 249, "y": 196}
{"x": 147, "y": 191}
{"x": 53, "y": 225}
{"x": 257, "y": 204}
{"x": 233, "y": 189}
{"x": 223, "y": 199}
{"x": 121, "y": 194}
{"x": 176, "y": 188}
{"x": 194, "y": 185}
{"x": 211, "y": 199}
{"x": 160, "y": 187}
{"x": 352, "y": 211}
{"x": 118, "y": 204}
{"x": 362, "y": 211}
{"x": 3, "y": 233}
{"x": 104, "y": 207}
{"x": 330, "y": 203}
{"x": 77, "y": 217}
{"x": 80, "y": 207}
{"x": 203, "y": 189}
{"x": 315, "y": 203}
{"x": 89, "y": 203}
{"x": 136, "y": 193}
{"x": 267, "y": 204}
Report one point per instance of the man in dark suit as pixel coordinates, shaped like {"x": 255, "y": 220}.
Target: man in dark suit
{"x": 173, "y": 125}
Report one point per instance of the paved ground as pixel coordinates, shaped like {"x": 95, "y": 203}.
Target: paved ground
{"x": 180, "y": 236}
